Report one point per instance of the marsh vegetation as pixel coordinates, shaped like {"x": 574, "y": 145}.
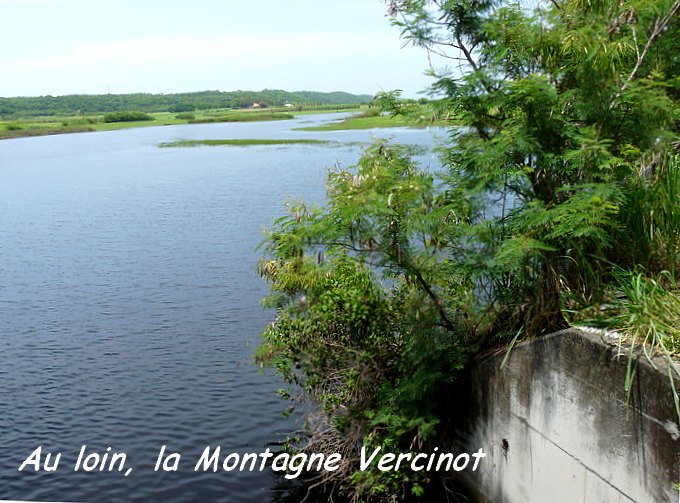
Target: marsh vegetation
{"x": 245, "y": 142}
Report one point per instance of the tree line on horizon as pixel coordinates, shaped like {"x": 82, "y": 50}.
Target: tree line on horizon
{"x": 77, "y": 104}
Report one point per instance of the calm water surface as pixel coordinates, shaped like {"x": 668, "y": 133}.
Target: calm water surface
{"x": 130, "y": 306}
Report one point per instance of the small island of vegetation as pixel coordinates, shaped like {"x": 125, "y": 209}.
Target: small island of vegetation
{"x": 245, "y": 142}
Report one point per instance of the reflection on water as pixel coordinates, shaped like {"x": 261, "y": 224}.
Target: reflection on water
{"x": 130, "y": 306}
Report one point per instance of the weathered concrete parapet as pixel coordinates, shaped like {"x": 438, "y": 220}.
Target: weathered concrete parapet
{"x": 555, "y": 425}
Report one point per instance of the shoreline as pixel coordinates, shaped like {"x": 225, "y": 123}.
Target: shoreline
{"x": 48, "y": 126}
{"x": 43, "y": 127}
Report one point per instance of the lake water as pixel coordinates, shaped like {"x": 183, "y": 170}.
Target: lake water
{"x": 130, "y": 306}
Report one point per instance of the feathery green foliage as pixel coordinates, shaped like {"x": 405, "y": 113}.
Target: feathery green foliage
{"x": 360, "y": 292}
{"x": 562, "y": 173}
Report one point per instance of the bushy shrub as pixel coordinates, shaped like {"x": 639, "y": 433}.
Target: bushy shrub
{"x": 367, "y": 324}
{"x": 130, "y": 116}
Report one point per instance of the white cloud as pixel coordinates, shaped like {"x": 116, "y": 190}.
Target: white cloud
{"x": 170, "y": 45}
{"x": 193, "y": 48}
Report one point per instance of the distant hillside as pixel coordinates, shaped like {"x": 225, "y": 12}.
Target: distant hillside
{"x": 179, "y": 102}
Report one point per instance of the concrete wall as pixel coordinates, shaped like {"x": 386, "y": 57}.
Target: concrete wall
{"x": 555, "y": 425}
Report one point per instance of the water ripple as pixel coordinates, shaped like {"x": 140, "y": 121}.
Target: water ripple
{"x": 130, "y": 308}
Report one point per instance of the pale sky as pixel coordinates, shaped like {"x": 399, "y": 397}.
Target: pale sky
{"x": 62, "y": 47}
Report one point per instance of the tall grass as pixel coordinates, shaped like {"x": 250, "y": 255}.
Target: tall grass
{"x": 650, "y": 221}
{"x": 634, "y": 289}
{"x": 648, "y": 317}
{"x": 639, "y": 295}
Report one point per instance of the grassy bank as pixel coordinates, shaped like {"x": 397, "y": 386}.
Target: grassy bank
{"x": 243, "y": 117}
{"x": 48, "y": 125}
{"x": 364, "y": 118}
{"x": 370, "y": 118}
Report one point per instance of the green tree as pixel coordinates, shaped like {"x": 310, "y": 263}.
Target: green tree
{"x": 561, "y": 174}
{"x": 565, "y": 108}
{"x": 365, "y": 298}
